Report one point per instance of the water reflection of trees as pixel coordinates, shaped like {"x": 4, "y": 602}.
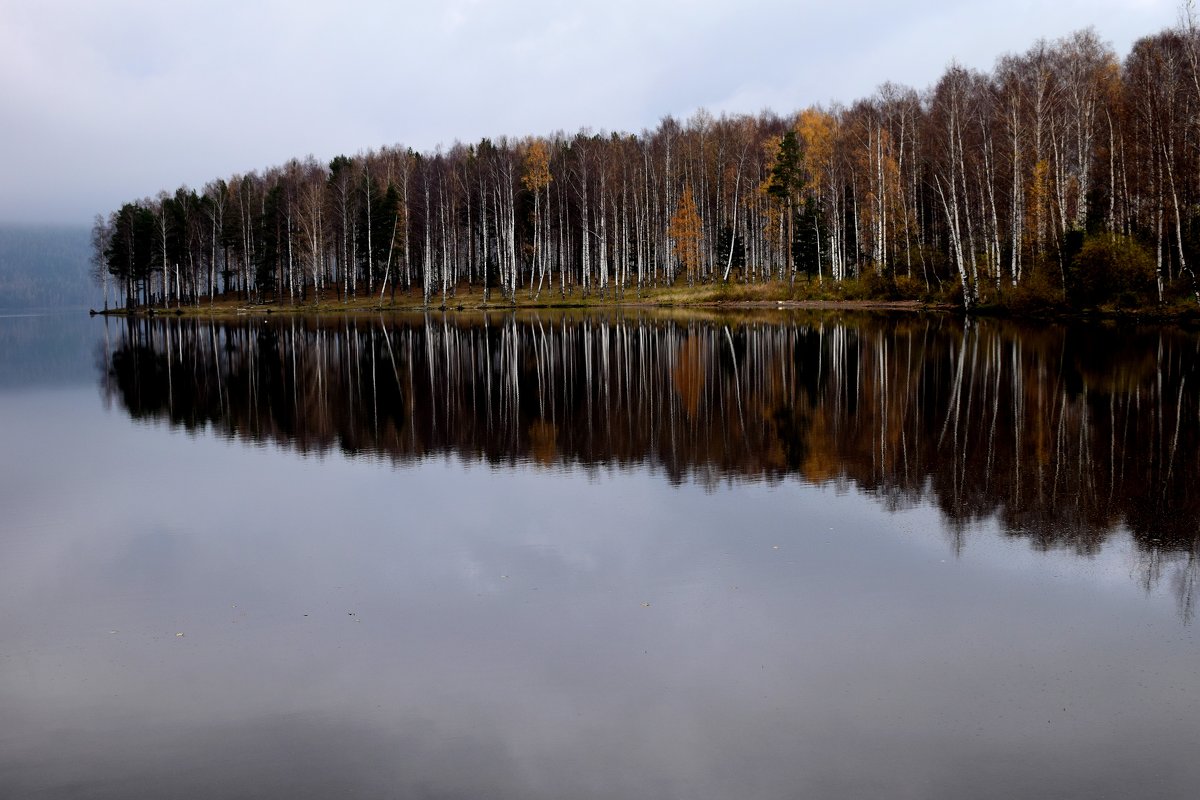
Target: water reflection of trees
{"x": 1061, "y": 433}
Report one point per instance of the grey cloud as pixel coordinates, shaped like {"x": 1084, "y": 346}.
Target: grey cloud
{"x": 109, "y": 101}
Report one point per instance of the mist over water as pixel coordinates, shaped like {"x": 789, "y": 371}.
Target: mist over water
{"x": 619, "y": 555}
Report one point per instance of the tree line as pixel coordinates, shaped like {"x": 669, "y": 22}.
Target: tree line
{"x": 1064, "y": 173}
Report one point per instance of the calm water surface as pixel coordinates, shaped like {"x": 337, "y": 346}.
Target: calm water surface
{"x": 597, "y": 557}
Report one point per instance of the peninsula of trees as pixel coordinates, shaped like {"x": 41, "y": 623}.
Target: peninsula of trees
{"x": 1064, "y": 176}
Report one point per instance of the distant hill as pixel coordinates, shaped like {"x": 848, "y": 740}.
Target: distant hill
{"x": 45, "y": 266}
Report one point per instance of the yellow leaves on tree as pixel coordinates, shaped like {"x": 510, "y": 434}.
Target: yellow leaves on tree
{"x": 772, "y": 214}
{"x": 770, "y": 155}
{"x": 817, "y": 130}
{"x": 686, "y": 231}
{"x": 1037, "y": 197}
{"x": 536, "y": 180}
{"x": 537, "y": 167}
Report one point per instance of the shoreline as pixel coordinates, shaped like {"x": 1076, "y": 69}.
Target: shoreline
{"x": 705, "y": 298}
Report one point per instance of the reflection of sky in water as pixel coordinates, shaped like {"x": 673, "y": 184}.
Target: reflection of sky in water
{"x": 453, "y": 630}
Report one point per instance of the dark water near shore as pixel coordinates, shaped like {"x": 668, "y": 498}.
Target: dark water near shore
{"x": 618, "y": 556}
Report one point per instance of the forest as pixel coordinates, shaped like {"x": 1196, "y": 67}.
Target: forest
{"x": 1065, "y": 177}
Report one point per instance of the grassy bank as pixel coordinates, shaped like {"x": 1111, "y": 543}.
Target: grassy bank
{"x": 870, "y": 293}
{"x": 464, "y": 298}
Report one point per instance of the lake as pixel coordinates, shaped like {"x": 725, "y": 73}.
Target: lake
{"x": 620, "y": 555}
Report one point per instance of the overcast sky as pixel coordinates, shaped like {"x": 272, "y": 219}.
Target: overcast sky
{"x": 103, "y": 101}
